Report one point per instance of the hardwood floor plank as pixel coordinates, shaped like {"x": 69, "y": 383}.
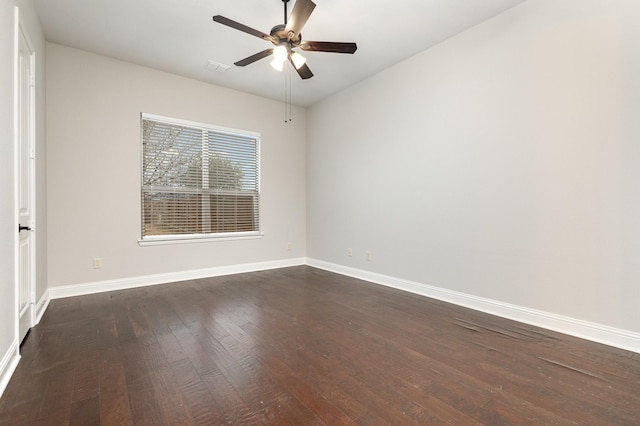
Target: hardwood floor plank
{"x": 198, "y": 399}
{"x": 114, "y": 397}
{"x": 173, "y": 401}
{"x": 145, "y": 408}
{"x": 86, "y": 381}
{"x": 85, "y": 412}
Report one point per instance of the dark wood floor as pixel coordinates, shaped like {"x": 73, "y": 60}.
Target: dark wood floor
{"x": 303, "y": 346}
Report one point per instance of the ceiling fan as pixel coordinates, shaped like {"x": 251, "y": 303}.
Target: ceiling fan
{"x": 287, "y": 37}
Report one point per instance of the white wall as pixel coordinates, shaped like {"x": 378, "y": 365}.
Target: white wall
{"x": 504, "y": 163}
{"x": 93, "y": 118}
{"x": 8, "y": 225}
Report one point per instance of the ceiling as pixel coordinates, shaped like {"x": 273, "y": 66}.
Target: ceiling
{"x": 180, "y": 37}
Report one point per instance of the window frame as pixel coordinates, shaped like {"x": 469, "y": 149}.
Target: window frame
{"x": 199, "y": 237}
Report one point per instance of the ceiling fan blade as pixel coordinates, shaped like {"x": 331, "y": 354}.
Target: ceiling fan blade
{"x": 251, "y": 59}
{"x": 328, "y": 46}
{"x": 304, "y": 72}
{"x": 238, "y": 26}
{"x": 299, "y": 16}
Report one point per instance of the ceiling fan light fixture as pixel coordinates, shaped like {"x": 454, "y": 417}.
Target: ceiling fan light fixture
{"x": 280, "y": 53}
{"x": 277, "y": 64}
{"x": 279, "y": 56}
{"x": 298, "y": 60}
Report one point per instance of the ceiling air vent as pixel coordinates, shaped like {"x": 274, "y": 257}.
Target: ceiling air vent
{"x": 217, "y": 66}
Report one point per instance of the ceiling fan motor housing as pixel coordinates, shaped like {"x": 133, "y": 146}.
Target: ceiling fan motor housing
{"x": 280, "y": 35}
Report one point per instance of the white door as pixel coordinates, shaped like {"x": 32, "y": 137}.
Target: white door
{"x": 26, "y": 186}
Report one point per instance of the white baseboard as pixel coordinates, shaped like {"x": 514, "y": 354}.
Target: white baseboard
{"x": 42, "y": 306}
{"x": 8, "y": 365}
{"x": 611, "y": 336}
{"x": 622, "y": 339}
{"x": 147, "y": 280}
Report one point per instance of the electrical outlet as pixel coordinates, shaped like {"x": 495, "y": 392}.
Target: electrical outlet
{"x": 368, "y": 256}
{"x": 97, "y": 263}
{"x": 350, "y": 252}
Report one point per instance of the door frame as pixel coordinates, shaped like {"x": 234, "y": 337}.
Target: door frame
{"x": 21, "y": 33}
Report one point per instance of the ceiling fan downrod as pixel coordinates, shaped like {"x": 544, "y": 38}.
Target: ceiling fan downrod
{"x": 285, "y": 11}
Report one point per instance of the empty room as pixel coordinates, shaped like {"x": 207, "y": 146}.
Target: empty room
{"x": 319, "y": 212}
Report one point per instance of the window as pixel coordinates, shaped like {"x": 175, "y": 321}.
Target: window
{"x": 198, "y": 180}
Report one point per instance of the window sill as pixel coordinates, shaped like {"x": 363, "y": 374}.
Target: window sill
{"x": 164, "y": 240}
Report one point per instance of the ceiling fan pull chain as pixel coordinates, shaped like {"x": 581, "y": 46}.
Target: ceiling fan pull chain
{"x": 290, "y": 89}
{"x": 286, "y": 98}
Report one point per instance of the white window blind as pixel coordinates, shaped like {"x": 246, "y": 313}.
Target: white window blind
{"x": 198, "y": 180}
